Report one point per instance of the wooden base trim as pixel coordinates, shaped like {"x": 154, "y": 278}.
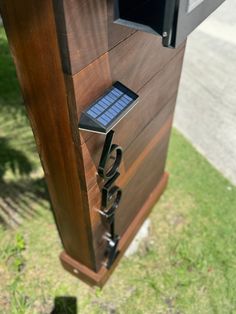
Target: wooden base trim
{"x": 99, "y": 279}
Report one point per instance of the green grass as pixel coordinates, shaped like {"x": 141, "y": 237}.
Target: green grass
{"x": 187, "y": 265}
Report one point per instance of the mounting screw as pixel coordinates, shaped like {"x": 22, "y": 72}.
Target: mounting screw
{"x": 107, "y": 236}
{"x": 104, "y": 264}
{"x": 75, "y": 271}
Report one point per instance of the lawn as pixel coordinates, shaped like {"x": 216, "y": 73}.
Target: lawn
{"x": 187, "y": 265}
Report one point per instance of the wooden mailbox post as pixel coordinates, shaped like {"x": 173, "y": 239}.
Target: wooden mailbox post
{"x": 67, "y": 53}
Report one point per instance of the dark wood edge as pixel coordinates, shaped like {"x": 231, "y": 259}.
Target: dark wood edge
{"x": 99, "y": 279}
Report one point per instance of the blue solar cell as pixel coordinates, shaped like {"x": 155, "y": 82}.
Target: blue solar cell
{"x": 95, "y": 110}
{"x": 106, "y": 118}
{"x": 109, "y": 115}
{"x": 118, "y": 106}
{"x": 106, "y": 102}
{"x": 92, "y": 114}
{"x": 102, "y": 104}
{"x": 99, "y": 108}
{"x": 118, "y": 91}
{"x": 112, "y": 111}
{"x": 127, "y": 97}
{"x": 108, "y": 98}
{"x": 126, "y": 101}
{"x": 115, "y": 109}
{"x": 121, "y": 103}
{"x": 113, "y": 96}
{"x": 103, "y": 121}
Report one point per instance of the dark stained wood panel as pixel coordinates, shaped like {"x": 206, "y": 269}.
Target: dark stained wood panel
{"x": 92, "y": 157}
{"x": 31, "y": 31}
{"x": 119, "y": 65}
{"x": 100, "y": 278}
{"x": 149, "y": 105}
{"x": 135, "y": 69}
{"x": 67, "y": 53}
{"x": 86, "y": 31}
{"x": 145, "y": 179}
{"x": 138, "y": 178}
{"x": 137, "y": 151}
{"x": 139, "y": 185}
{"x": 89, "y": 84}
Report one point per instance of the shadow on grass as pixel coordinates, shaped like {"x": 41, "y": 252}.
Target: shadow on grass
{"x": 22, "y": 200}
{"x": 13, "y": 159}
{"x": 10, "y": 96}
{"x": 23, "y": 195}
{"x": 65, "y": 305}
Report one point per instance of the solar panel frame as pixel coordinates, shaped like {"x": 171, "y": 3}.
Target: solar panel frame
{"x": 106, "y": 111}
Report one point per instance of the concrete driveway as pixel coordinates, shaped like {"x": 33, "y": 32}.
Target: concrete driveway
{"x": 206, "y": 106}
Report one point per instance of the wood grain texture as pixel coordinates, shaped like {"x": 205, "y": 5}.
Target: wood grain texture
{"x": 166, "y": 82}
{"x": 31, "y": 31}
{"x": 124, "y": 63}
{"x": 59, "y": 83}
{"x": 100, "y": 278}
{"x": 146, "y": 175}
{"x": 91, "y": 157}
{"x": 86, "y": 31}
{"x": 142, "y": 168}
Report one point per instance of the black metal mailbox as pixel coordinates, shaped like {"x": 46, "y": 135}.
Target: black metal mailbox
{"x": 174, "y": 20}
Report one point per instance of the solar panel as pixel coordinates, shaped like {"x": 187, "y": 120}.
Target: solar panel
{"x": 103, "y": 114}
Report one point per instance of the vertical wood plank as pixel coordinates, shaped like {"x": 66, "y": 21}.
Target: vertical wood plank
{"x": 31, "y": 31}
